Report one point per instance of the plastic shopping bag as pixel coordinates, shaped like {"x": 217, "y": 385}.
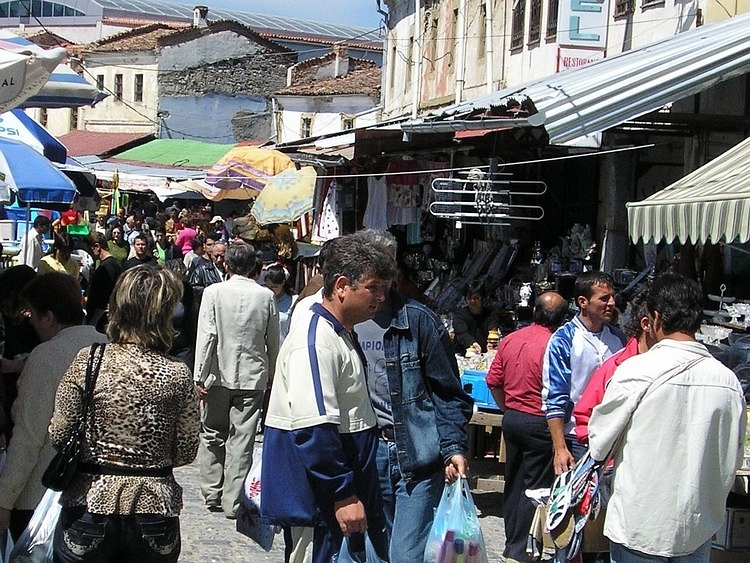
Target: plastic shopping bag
{"x": 35, "y": 544}
{"x": 349, "y": 553}
{"x": 6, "y": 546}
{"x": 455, "y": 535}
{"x": 249, "y": 522}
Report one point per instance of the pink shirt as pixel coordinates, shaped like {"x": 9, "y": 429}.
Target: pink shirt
{"x": 184, "y": 240}
{"x": 594, "y": 392}
{"x": 517, "y": 368}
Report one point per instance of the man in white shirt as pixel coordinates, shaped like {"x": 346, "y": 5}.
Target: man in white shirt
{"x": 675, "y": 418}
{"x": 31, "y": 251}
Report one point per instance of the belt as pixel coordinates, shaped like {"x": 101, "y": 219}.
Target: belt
{"x": 387, "y": 434}
{"x": 97, "y": 469}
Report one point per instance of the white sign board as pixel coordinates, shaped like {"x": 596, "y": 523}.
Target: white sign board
{"x": 573, "y": 58}
{"x": 583, "y": 23}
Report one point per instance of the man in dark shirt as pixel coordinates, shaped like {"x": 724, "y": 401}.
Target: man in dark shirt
{"x": 472, "y": 323}
{"x": 142, "y": 253}
{"x": 102, "y": 282}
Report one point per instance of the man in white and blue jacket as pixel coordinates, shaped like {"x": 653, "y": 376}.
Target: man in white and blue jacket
{"x": 574, "y": 352}
{"x": 319, "y": 470}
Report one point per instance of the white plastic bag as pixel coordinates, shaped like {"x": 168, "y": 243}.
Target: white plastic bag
{"x": 249, "y": 522}
{"x": 456, "y": 534}
{"x": 35, "y": 544}
{"x": 6, "y": 546}
{"x": 348, "y": 555}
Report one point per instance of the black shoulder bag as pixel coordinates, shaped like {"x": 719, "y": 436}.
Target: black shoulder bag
{"x": 64, "y": 466}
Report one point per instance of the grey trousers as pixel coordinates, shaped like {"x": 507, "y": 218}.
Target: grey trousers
{"x": 228, "y": 426}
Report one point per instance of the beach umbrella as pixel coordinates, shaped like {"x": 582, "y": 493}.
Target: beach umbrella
{"x": 61, "y": 86}
{"x": 32, "y": 177}
{"x": 16, "y": 125}
{"x": 286, "y": 197}
{"x": 24, "y": 69}
{"x": 247, "y": 168}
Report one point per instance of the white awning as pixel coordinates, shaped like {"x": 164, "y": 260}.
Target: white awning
{"x": 710, "y": 204}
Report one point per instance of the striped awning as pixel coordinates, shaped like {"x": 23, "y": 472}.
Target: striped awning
{"x": 711, "y": 204}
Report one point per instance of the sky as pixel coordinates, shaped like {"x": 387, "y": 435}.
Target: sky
{"x": 361, "y": 13}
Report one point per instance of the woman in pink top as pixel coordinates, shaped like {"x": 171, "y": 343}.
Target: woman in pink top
{"x": 185, "y": 237}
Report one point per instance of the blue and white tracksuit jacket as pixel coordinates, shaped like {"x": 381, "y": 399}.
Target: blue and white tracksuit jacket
{"x": 573, "y": 354}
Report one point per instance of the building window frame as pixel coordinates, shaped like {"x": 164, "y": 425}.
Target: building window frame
{"x": 553, "y": 9}
{"x": 138, "y": 88}
{"x": 118, "y": 87}
{"x": 100, "y": 82}
{"x": 535, "y": 22}
{"x": 73, "y": 119}
{"x": 624, "y": 8}
{"x": 347, "y": 122}
{"x": 518, "y": 25}
{"x": 306, "y": 126}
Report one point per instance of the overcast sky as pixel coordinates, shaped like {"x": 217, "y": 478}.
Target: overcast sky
{"x": 362, "y": 13}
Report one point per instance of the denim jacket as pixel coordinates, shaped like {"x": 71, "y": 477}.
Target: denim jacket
{"x": 430, "y": 407}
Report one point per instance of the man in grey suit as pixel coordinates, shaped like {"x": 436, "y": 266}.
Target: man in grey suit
{"x": 235, "y": 352}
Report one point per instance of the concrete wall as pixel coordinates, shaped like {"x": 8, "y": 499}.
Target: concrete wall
{"x": 206, "y": 50}
{"x": 215, "y": 118}
{"x": 122, "y": 115}
{"x": 327, "y": 113}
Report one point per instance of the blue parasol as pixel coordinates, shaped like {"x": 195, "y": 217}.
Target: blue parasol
{"x": 32, "y": 177}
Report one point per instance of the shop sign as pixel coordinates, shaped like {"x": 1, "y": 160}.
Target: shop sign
{"x": 573, "y": 58}
{"x": 583, "y": 23}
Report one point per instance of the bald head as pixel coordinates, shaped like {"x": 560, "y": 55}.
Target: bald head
{"x": 550, "y": 309}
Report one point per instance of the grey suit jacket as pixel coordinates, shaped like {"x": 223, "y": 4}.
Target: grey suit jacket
{"x": 238, "y": 334}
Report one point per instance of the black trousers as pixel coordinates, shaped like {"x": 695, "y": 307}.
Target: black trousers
{"x": 82, "y": 537}
{"x": 528, "y": 465}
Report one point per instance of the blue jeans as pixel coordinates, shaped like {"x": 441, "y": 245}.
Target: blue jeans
{"x": 621, "y": 554}
{"x": 409, "y": 507}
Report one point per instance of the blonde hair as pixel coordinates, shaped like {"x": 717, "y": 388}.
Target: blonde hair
{"x": 141, "y": 307}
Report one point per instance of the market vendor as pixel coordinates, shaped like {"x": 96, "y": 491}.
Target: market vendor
{"x": 472, "y": 323}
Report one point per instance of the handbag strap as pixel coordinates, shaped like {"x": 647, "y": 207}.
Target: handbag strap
{"x": 92, "y": 373}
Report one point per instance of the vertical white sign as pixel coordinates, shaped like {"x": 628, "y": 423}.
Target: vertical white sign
{"x": 583, "y": 23}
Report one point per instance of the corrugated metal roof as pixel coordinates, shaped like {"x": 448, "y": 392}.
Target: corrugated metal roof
{"x": 608, "y": 92}
{"x": 711, "y": 203}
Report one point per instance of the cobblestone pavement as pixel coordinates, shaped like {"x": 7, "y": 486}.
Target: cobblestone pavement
{"x": 211, "y": 538}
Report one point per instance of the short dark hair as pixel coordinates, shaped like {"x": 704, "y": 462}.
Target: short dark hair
{"x": 679, "y": 302}
{"x": 239, "y": 259}
{"x": 57, "y": 293}
{"x": 62, "y": 242}
{"x": 355, "y": 259}
{"x": 638, "y": 309}
{"x": 585, "y": 283}
{"x": 142, "y": 237}
{"x": 323, "y": 252}
{"x": 476, "y": 287}
{"x": 548, "y": 314}
{"x": 41, "y": 221}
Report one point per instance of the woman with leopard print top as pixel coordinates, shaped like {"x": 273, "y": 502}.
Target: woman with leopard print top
{"x": 143, "y": 420}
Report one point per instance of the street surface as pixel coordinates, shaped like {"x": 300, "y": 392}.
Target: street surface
{"x": 209, "y": 537}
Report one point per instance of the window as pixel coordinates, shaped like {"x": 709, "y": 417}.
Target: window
{"x": 392, "y": 69}
{"x": 535, "y": 21}
{"x": 118, "y": 86}
{"x": 432, "y": 46}
{"x": 305, "y": 126}
{"x": 652, "y": 3}
{"x": 519, "y": 20}
{"x": 138, "y": 89}
{"x": 624, "y": 7}
{"x": 453, "y": 38}
{"x": 36, "y": 8}
{"x": 482, "y": 32}
{"x": 410, "y": 62}
{"x": 100, "y": 82}
{"x": 43, "y": 117}
{"x": 347, "y": 122}
{"x": 73, "y": 119}
{"x": 552, "y": 8}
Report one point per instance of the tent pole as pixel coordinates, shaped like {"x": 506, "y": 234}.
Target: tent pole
{"x": 26, "y": 246}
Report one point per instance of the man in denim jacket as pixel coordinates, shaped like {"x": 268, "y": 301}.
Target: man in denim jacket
{"x": 422, "y": 413}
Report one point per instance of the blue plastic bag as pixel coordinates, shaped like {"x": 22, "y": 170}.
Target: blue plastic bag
{"x": 455, "y": 534}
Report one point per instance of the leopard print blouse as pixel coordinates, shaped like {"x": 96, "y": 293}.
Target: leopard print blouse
{"x": 144, "y": 414}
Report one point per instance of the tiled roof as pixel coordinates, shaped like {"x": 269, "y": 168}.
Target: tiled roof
{"x": 145, "y": 38}
{"x": 83, "y": 143}
{"x": 363, "y": 77}
{"x": 150, "y": 37}
{"x": 47, "y": 39}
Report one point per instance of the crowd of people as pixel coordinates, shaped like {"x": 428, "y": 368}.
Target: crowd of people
{"x": 188, "y": 341}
